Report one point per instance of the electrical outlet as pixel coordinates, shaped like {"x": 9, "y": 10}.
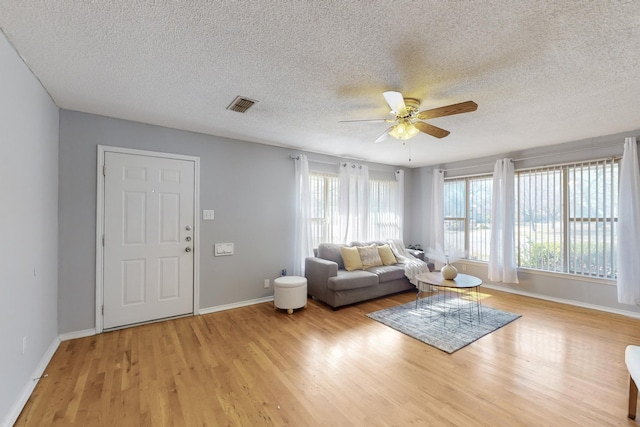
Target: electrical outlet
{"x": 24, "y": 344}
{"x": 267, "y": 283}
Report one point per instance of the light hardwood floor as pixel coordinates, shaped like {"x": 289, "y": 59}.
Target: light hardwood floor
{"x": 557, "y": 365}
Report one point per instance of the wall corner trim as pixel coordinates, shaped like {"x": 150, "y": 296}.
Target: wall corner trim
{"x": 28, "y": 388}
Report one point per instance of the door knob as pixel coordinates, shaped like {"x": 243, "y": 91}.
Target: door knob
{"x": 188, "y": 249}
{"x": 188, "y": 228}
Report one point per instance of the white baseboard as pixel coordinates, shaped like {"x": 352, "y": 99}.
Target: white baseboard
{"x": 563, "y": 301}
{"x": 77, "y": 334}
{"x": 234, "y": 305}
{"x": 28, "y": 388}
{"x": 90, "y": 332}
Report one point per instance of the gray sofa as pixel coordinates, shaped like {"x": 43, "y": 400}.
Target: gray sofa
{"x": 329, "y": 282}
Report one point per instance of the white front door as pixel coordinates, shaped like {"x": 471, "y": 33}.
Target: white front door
{"x": 148, "y": 238}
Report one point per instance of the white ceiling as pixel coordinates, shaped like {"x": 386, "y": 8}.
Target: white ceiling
{"x": 541, "y": 72}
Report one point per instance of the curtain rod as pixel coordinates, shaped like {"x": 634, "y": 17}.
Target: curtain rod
{"x": 532, "y": 157}
{"x": 340, "y": 163}
{"x": 297, "y": 157}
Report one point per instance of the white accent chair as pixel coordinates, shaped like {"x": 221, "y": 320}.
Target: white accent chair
{"x": 632, "y": 359}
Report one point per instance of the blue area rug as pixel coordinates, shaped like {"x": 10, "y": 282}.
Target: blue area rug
{"x": 443, "y": 327}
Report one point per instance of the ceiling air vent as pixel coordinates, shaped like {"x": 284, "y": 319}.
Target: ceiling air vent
{"x": 241, "y": 104}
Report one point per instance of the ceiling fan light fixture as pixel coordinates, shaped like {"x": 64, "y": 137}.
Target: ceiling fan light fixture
{"x": 412, "y": 130}
{"x": 403, "y": 131}
{"x": 409, "y": 121}
{"x": 396, "y": 131}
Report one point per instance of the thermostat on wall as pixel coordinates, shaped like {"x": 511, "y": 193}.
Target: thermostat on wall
{"x": 222, "y": 249}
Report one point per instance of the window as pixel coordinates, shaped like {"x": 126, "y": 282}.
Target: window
{"x": 565, "y": 217}
{"x": 539, "y": 221}
{"x": 467, "y": 216}
{"x": 384, "y": 218}
{"x": 325, "y": 220}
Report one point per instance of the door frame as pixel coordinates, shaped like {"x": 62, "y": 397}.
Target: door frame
{"x": 102, "y": 149}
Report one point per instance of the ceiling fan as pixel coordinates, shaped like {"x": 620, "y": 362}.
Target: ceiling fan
{"x": 407, "y": 118}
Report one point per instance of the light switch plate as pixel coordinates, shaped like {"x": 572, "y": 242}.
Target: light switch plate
{"x": 222, "y": 249}
{"x": 207, "y": 215}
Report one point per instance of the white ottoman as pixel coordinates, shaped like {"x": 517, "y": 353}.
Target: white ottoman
{"x": 290, "y": 292}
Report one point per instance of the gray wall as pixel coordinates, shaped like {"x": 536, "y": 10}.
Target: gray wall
{"x": 581, "y": 291}
{"x": 249, "y": 186}
{"x": 420, "y": 208}
{"x": 29, "y": 228}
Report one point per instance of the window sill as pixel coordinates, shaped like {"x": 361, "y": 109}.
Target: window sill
{"x": 534, "y": 272}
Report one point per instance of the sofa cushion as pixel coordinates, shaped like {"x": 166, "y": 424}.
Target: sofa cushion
{"x": 352, "y": 280}
{"x": 331, "y": 252}
{"x": 386, "y": 255}
{"x": 387, "y": 273}
{"x": 369, "y": 256}
{"x": 351, "y": 258}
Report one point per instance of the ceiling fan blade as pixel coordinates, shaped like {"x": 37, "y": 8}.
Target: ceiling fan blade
{"x": 384, "y": 136}
{"x": 431, "y": 130}
{"x": 396, "y": 102}
{"x": 463, "y": 107}
{"x": 369, "y": 121}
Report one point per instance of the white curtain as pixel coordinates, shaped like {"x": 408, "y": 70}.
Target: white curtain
{"x": 354, "y": 202}
{"x": 302, "y": 244}
{"x": 436, "y": 226}
{"x": 400, "y": 208}
{"x": 502, "y": 255}
{"x": 629, "y": 226}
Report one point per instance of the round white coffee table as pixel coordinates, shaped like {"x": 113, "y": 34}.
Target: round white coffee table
{"x": 452, "y": 293}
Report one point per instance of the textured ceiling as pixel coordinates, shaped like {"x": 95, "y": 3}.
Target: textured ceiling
{"x": 541, "y": 72}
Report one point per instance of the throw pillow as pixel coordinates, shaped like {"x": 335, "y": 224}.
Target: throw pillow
{"x": 386, "y": 255}
{"x": 351, "y": 258}
{"x": 369, "y": 256}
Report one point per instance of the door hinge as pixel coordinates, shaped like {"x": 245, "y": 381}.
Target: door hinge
{"x": 103, "y": 240}
{"x": 103, "y": 310}
{"x": 104, "y": 170}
